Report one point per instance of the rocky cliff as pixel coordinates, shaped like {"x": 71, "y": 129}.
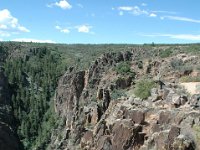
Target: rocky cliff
{"x": 95, "y": 120}
{"x": 8, "y": 138}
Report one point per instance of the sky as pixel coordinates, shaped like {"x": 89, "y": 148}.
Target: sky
{"x": 100, "y": 21}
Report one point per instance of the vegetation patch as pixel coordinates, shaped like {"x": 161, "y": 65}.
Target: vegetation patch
{"x": 189, "y": 79}
{"x": 124, "y": 68}
{"x": 117, "y": 94}
{"x": 33, "y": 82}
{"x": 143, "y": 88}
{"x": 176, "y": 64}
{"x": 165, "y": 53}
{"x": 197, "y": 131}
{"x": 194, "y": 49}
{"x": 140, "y": 64}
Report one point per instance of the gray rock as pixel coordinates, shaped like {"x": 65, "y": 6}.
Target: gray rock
{"x": 183, "y": 143}
{"x": 195, "y": 101}
{"x": 176, "y": 100}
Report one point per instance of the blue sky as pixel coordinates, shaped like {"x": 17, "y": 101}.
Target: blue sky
{"x": 103, "y": 21}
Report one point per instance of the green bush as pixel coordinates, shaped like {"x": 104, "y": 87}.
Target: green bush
{"x": 165, "y": 53}
{"x": 176, "y": 64}
{"x": 143, "y": 88}
{"x": 117, "y": 94}
{"x": 124, "y": 68}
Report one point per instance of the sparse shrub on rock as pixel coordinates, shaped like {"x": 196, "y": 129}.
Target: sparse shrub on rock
{"x": 143, "y": 88}
{"x": 124, "y": 68}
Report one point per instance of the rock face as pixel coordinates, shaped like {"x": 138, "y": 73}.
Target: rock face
{"x": 168, "y": 120}
{"x": 8, "y": 138}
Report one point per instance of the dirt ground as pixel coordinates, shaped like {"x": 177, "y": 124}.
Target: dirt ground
{"x": 192, "y": 87}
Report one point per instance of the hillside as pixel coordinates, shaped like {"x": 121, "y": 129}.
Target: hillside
{"x": 104, "y": 97}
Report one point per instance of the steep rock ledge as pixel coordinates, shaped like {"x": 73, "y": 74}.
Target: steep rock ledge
{"x": 168, "y": 119}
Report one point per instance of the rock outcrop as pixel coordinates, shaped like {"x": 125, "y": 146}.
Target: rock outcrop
{"x": 129, "y": 125}
{"x": 168, "y": 120}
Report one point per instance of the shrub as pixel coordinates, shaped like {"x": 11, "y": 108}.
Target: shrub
{"x": 196, "y": 128}
{"x": 140, "y": 64}
{"x": 198, "y": 67}
{"x": 117, "y": 94}
{"x": 189, "y": 79}
{"x": 165, "y": 53}
{"x": 186, "y": 68}
{"x": 143, "y": 88}
{"x": 124, "y": 68}
{"x": 176, "y": 64}
{"x": 194, "y": 49}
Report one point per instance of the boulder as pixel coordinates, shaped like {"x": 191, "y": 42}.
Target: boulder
{"x": 164, "y": 117}
{"x": 86, "y": 140}
{"x": 137, "y": 116}
{"x": 173, "y": 133}
{"x": 195, "y": 101}
{"x": 126, "y": 135}
{"x": 104, "y": 143}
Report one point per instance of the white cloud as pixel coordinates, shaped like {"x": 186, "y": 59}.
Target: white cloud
{"x": 63, "y": 30}
{"x": 186, "y": 37}
{"x": 126, "y": 8}
{"x": 135, "y": 10}
{"x": 23, "y": 29}
{"x": 84, "y": 28}
{"x": 3, "y": 26}
{"x": 180, "y": 19}
{"x": 1, "y": 39}
{"x": 4, "y": 33}
{"x": 152, "y": 15}
{"x": 58, "y": 27}
{"x": 9, "y": 24}
{"x": 121, "y": 13}
{"x": 80, "y": 5}
{"x": 63, "y": 4}
{"x": 164, "y": 12}
{"x": 143, "y": 4}
{"x": 33, "y": 40}
{"x": 191, "y": 37}
{"x": 80, "y": 28}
